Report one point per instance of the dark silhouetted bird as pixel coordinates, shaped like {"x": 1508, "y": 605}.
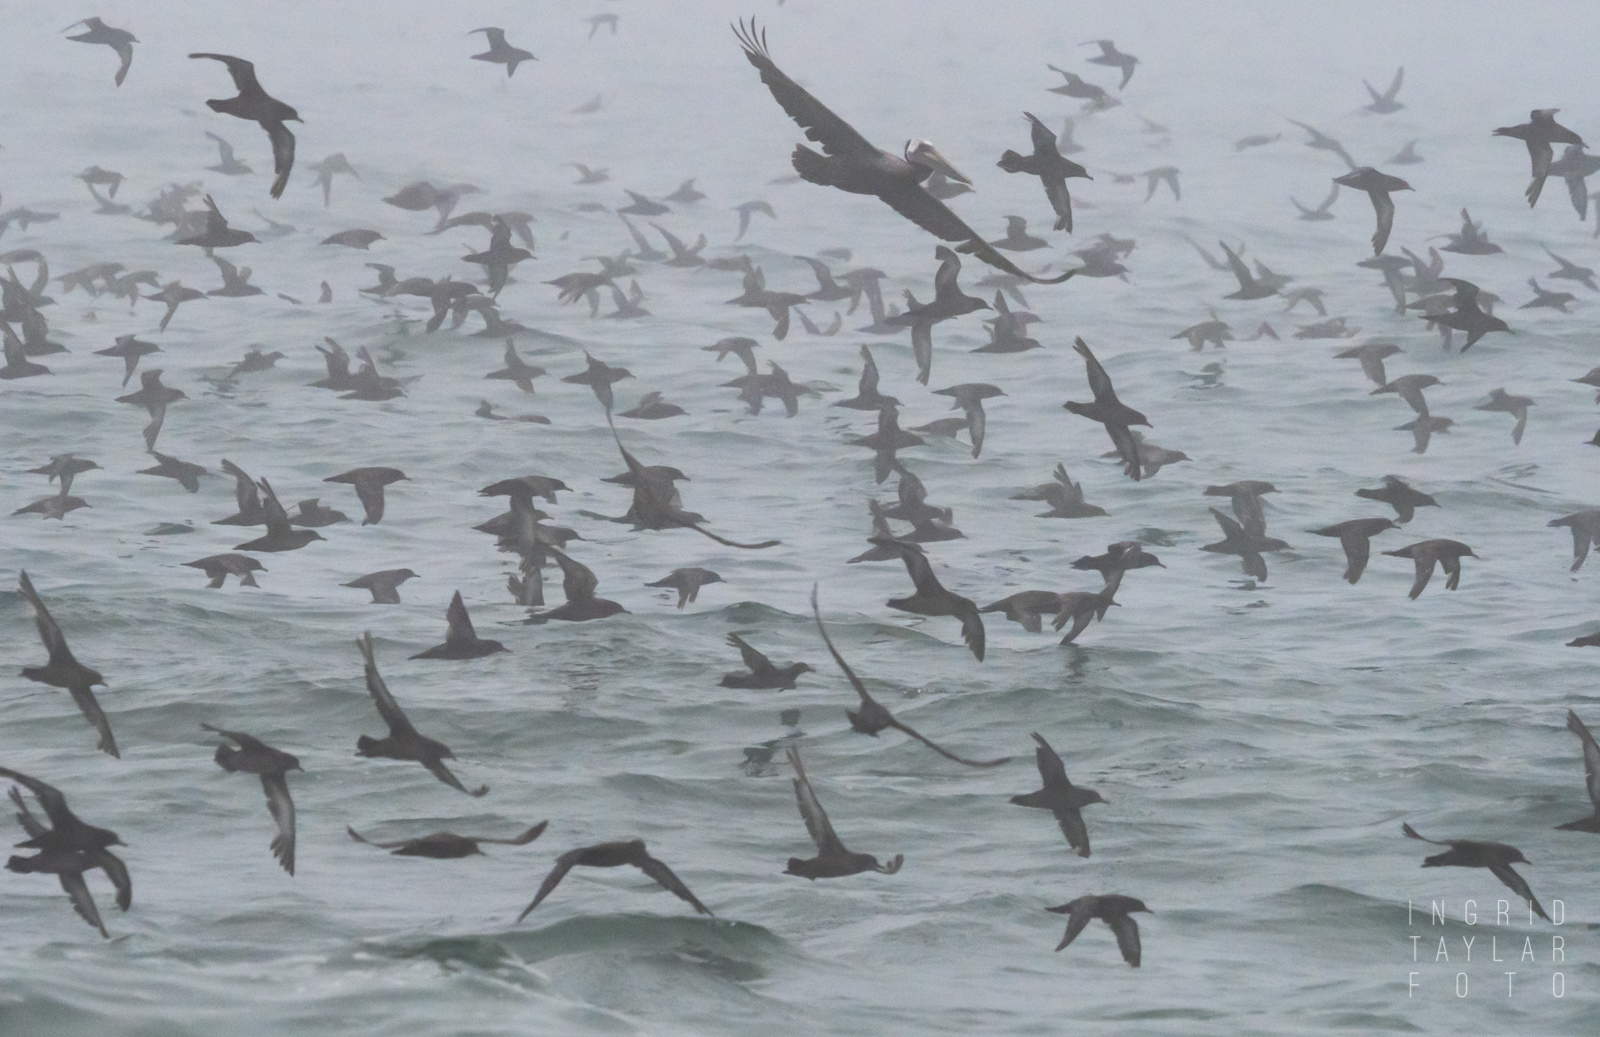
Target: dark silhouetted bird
{"x": 613, "y": 855}
{"x": 1059, "y": 796}
{"x": 403, "y": 741}
{"x": 1111, "y": 908}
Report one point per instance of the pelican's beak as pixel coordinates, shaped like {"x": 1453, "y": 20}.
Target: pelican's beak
{"x": 922, "y": 153}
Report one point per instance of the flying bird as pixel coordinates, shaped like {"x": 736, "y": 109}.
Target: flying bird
{"x": 852, "y": 164}
{"x": 931, "y": 598}
{"x": 461, "y": 641}
{"x": 1110, "y": 412}
{"x": 443, "y": 846}
{"x": 1050, "y": 167}
{"x": 833, "y": 860}
{"x": 762, "y": 675}
{"x": 1109, "y": 55}
{"x": 1059, "y": 796}
{"x": 1591, "y": 777}
{"x": 1111, "y": 908}
{"x": 500, "y": 52}
{"x": 1469, "y": 853}
{"x": 614, "y": 855}
{"x": 404, "y": 742}
{"x": 119, "y": 40}
{"x": 254, "y": 756}
{"x": 1539, "y": 133}
{"x": 1355, "y": 537}
{"x": 255, "y": 105}
{"x": 1384, "y": 103}
{"x": 63, "y": 670}
{"x": 1378, "y": 187}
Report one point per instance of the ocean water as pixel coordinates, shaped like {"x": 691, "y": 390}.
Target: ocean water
{"x": 1259, "y": 748}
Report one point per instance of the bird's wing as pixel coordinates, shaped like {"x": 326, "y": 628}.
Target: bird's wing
{"x": 757, "y": 663}
{"x": 1127, "y": 931}
{"x": 673, "y": 241}
{"x": 242, "y": 71}
{"x": 1411, "y": 833}
{"x": 971, "y": 625}
{"x": 836, "y": 136}
{"x": 1384, "y": 205}
{"x": 277, "y": 518}
{"x": 358, "y": 837}
{"x": 917, "y": 567}
{"x": 1518, "y": 885}
{"x": 1357, "y": 549}
{"x": 811, "y": 811}
{"x": 124, "y": 51}
{"x": 50, "y": 797}
{"x": 282, "y": 155}
{"x": 850, "y": 675}
{"x": 1051, "y": 769}
{"x": 522, "y": 840}
{"x": 578, "y": 581}
{"x": 370, "y": 493}
{"x": 388, "y": 708}
{"x": 437, "y": 768}
{"x": 671, "y": 883}
{"x": 459, "y": 625}
{"x": 276, "y": 786}
{"x": 564, "y": 864}
{"x": 1070, "y": 820}
{"x": 49, "y": 632}
{"x": 244, "y": 489}
{"x": 1080, "y": 621}
{"x": 1394, "y": 87}
{"x": 117, "y": 872}
{"x": 1452, "y": 570}
{"x": 1079, "y": 913}
{"x": 947, "y": 754}
{"x": 30, "y": 824}
{"x": 1591, "y": 757}
{"x": 82, "y": 901}
{"x": 1230, "y": 529}
{"x": 1236, "y": 264}
{"x": 90, "y": 707}
{"x": 1099, "y": 381}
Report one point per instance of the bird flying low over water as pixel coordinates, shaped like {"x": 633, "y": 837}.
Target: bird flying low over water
{"x": 614, "y": 855}
{"x": 852, "y": 164}
{"x": 1113, "y": 909}
{"x": 1591, "y": 777}
{"x": 63, "y": 670}
{"x": 1355, "y": 537}
{"x": 1049, "y": 166}
{"x": 500, "y": 52}
{"x": 1378, "y": 187}
{"x": 273, "y": 765}
{"x": 255, "y": 105}
{"x": 68, "y": 848}
{"x": 1447, "y": 553}
{"x": 833, "y": 860}
{"x": 762, "y": 673}
{"x": 1110, "y": 412}
{"x": 872, "y": 717}
{"x": 1469, "y": 853}
{"x": 119, "y": 40}
{"x": 443, "y": 846}
{"x": 403, "y": 742}
{"x": 931, "y": 597}
{"x": 1539, "y": 133}
{"x": 1059, "y": 796}
{"x": 461, "y": 641}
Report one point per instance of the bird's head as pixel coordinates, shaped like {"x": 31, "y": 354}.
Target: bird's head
{"x": 921, "y": 153}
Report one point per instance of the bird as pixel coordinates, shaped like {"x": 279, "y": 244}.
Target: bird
{"x": 1547, "y": 299}
{"x": 64, "y": 671}
{"x": 1409, "y": 388}
{"x": 1110, "y": 412}
{"x": 1250, "y": 286}
{"x": 498, "y": 259}
{"x": 762, "y": 675}
{"x": 871, "y": 717}
{"x": 65, "y": 467}
{"x": 969, "y": 397}
{"x": 1111, "y": 908}
{"x": 273, "y": 765}
{"x": 613, "y": 855}
{"x": 500, "y": 52}
{"x": 931, "y": 598}
{"x": 327, "y": 169}
{"x": 1407, "y": 156}
{"x": 1076, "y": 86}
{"x": 599, "y": 376}
{"x": 1355, "y": 537}
{"x": 1017, "y": 238}
{"x": 384, "y": 585}
{"x": 516, "y": 370}
{"x": 1591, "y": 777}
{"x": 1155, "y": 177}
{"x": 1384, "y": 103}
{"x": 1321, "y": 211}
{"x": 1372, "y": 355}
{"x": 1059, "y": 796}
{"x": 250, "y": 512}
{"x": 403, "y": 741}
{"x": 1322, "y": 142}
{"x": 1516, "y": 406}
{"x": 657, "y": 505}
{"x": 228, "y": 163}
{"x": 187, "y": 474}
{"x": 369, "y": 484}
{"x": 854, "y": 165}
{"x": 1378, "y": 187}
{"x": 1574, "y": 167}
{"x": 173, "y": 294}
{"x": 867, "y": 396}
{"x": 1570, "y": 271}
{"x": 1585, "y": 526}
{"x": 1050, "y": 167}
{"x": 1027, "y": 608}
{"x": 442, "y": 846}
{"x": 1472, "y": 241}
{"x": 833, "y": 860}
{"x": 1110, "y": 55}
{"x": 1468, "y": 853}
{"x": 217, "y": 233}
{"x": 461, "y": 641}
{"x": 255, "y": 105}
{"x": 1064, "y": 496}
{"x": 578, "y": 583}
{"x": 687, "y": 582}
{"x": 154, "y": 398}
{"x": 1238, "y": 541}
{"x": 130, "y": 350}
{"x": 279, "y": 536}
{"x": 1245, "y": 497}
{"x": 219, "y": 567}
{"x": 589, "y": 176}
{"x": 598, "y": 20}
{"x": 1447, "y": 553}
{"x": 17, "y": 364}
{"x": 748, "y": 209}
{"x": 119, "y": 40}
{"x": 68, "y": 848}
{"x": 1539, "y": 133}
{"x": 1080, "y": 607}
{"x": 360, "y": 238}
{"x": 236, "y": 285}
{"x": 1399, "y": 495}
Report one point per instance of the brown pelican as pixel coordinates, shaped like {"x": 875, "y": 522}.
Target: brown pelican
{"x": 853, "y": 164}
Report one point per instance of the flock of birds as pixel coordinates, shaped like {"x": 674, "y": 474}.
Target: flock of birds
{"x": 916, "y": 184}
